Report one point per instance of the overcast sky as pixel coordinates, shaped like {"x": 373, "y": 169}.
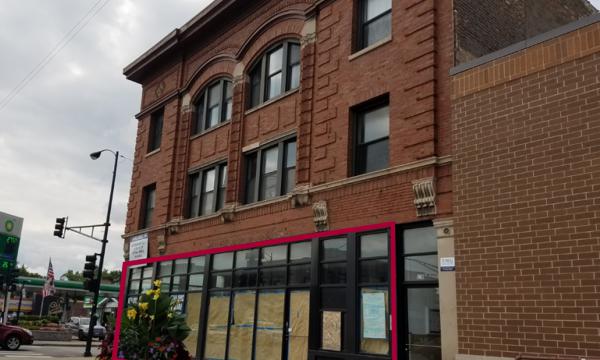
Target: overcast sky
{"x": 77, "y": 104}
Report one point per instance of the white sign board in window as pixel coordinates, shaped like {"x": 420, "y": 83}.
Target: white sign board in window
{"x": 374, "y": 315}
{"x": 138, "y": 247}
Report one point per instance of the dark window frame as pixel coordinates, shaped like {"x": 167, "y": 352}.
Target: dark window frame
{"x": 218, "y": 199}
{"x": 260, "y": 69}
{"x": 362, "y": 23}
{"x": 253, "y": 187}
{"x": 155, "y": 130}
{"x": 358, "y": 114}
{"x": 147, "y": 212}
{"x": 202, "y": 106}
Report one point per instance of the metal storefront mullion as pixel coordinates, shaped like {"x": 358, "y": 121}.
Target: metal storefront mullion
{"x": 315, "y": 296}
{"x": 204, "y": 308}
{"x": 350, "y": 325}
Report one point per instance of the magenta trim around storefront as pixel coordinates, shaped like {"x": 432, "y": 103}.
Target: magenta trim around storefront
{"x": 284, "y": 240}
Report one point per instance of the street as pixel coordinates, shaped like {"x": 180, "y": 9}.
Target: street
{"x": 46, "y": 352}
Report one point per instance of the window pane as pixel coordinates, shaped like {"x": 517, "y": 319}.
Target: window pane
{"x": 274, "y": 83}
{"x": 377, "y": 7}
{"x": 290, "y": 154}
{"x": 374, "y": 329}
{"x": 220, "y": 280}
{"x": 293, "y": 77}
{"x": 165, "y": 283}
{"x": 164, "y": 268}
{"x": 179, "y": 283}
{"x": 273, "y": 255}
{"x": 146, "y": 284}
{"x": 269, "y": 331}
{"x": 207, "y": 203}
{"x": 250, "y": 178}
{"x": 192, "y": 319}
{"x": 181, "y": 266}
{"x": 378, "y": 29}
{"x": 148, "y": 272}
{"x": 270, "y": 160}
{"x": 228, "y": 109}
{"x": 246, "y": 258}
{"x": 196, "y": 282}
{"x": 420, "y": 268}
{"x": 245, "y": 278}
{"x": 272, "y": 276}
{"x": 199, "y": 115}
{"x": 209, "y": 180}
{"x": 275, "y": 59}
{"x": 375, "y": 156}
{"x": 420, "y": 240}
{"x": 197, "y": 264}
{"x": 214, "y": 95}
{"x": 134, "y": 287}
{"x": 213, "y": 117}
{"x": 373, "y": 245}
{"x": 333, "y": 297}
{"x": 334, "y": 249}
{"x": 136, "y": 273}
{"x": 424, "y": 323}
{"x": 178, "y": 300}
{"x": 242, "y": 325}
{"x": 300, "y": 252}
{"x": 223, "y": 176}
{"x": 268, "y": 188}
{"x": 194, "y": 195}
{"x": 299, "y": 274}
{"x": 333, "y": 273}
{"x": 374, "y": 271}
{"x": 216, "y": 329}
{"x": 255, "y": 86}
{"x": 375, "y": 124}
{"x": 293, "y": 54}
{"x": 222, "y": 261}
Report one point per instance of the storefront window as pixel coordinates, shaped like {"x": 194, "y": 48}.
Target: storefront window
{"x": 269, "y": 324}
{"x": 216, "y": 327}
{"x": 241, "y": 331}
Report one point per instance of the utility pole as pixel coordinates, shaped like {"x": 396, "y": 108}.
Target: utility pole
{"x": 93, "y": 317}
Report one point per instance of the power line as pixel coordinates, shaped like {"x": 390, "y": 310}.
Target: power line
{"x": 70, "y": 35}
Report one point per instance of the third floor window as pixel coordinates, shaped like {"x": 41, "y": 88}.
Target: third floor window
{"x": 207, "y": 190}
{"x": 271, "y": 171}
{"x": 214, "y": 105}
{"x": 276, "y": 72}
{"x": 375, "y": 21}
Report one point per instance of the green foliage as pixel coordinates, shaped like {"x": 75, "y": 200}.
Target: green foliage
{"x": 152, "y": 329}
{"x": 113, "y": 276}
{"x": 25, "y": 273}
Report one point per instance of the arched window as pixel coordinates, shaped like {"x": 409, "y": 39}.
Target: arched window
{"x": 277, "y": 71}
{"x": 214, "y": 105}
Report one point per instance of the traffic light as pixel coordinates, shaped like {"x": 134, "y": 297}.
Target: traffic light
{"x": 59, "y": 227}
{"x": 89, "y": 273}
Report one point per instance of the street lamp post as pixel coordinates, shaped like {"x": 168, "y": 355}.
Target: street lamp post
{"x": 93, "y": 318}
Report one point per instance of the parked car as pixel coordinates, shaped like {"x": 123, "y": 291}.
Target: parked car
{"x": 79, "y": 327}
{"x": 12, "y": 337}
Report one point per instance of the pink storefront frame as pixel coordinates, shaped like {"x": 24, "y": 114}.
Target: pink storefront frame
{"x": 390, "y": 226}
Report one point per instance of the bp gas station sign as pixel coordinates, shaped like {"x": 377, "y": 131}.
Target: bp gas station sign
{"x": 10, "y": 237}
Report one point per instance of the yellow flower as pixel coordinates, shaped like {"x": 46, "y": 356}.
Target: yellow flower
{"x": 156, "y": 294}
{"x": 149, "y": 292}
{"x": 157, "y": 283}
{"x": 143, "y": 306}
{"x": 131, "y": 314}
{"x": 151, "y": 317}
{"x": 170, "y": 315}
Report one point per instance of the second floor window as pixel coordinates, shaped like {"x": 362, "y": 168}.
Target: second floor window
{"x": 207, "y": 190}
{"x": 372, "y": 134}
{"x": 275, "y": 73}
{"x": 214, "y": 106}
{"x": 155, "y": 131}
{"x": 148, "y": 205}
{"x": 271, "y": 171}
{"x": 375, "y": 21}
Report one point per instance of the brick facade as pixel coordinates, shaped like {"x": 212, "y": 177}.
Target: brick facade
{"x": 526, "y": 201}
{"x": 333, "y": 81}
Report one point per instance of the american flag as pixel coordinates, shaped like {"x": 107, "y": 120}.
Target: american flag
{"x": 49, "y": 288}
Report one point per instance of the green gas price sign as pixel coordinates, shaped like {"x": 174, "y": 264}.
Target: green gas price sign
{"x": 10, "y": 238}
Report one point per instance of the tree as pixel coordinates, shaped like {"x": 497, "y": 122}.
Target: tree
{"x": 112, "y": 276}
{"x": 26, "y": 273}
{"x": 72, "y": 276}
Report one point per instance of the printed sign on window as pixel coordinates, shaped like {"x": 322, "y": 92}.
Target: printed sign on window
{"x": 373, "y": 315}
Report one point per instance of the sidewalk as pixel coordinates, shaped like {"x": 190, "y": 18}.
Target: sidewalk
{"x": 74, "y": 343}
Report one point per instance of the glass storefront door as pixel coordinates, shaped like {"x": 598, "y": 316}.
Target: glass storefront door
{"x": 423, "y": 315}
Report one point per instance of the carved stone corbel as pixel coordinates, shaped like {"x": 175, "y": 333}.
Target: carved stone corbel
{"x": 424, "y": 191}
{"x": 228, "y": 213}
{"x": 320, "y": 216}
{"x": 300, "y": 196}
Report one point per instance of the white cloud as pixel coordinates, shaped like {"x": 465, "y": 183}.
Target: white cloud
{"x": 78, "y": 104}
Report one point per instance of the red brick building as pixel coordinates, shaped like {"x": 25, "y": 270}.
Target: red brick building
{"x": 327, "y": 125}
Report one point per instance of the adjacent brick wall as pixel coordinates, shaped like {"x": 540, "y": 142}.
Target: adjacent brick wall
{"x": 526, "y": 137}
{"x": 496, "y": 24}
